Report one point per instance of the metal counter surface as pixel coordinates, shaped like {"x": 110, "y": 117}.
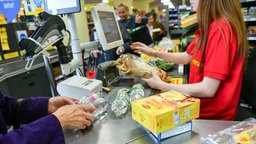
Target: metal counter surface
{"x": 128, "y": 131}
{"x": 112, "y": 130}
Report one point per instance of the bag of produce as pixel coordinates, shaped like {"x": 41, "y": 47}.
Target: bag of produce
{"x": 133, "y": 66}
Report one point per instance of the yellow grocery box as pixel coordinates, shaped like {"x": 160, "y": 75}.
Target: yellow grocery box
{"x": 163, "y": 111}
{"x": 189, "y": 21}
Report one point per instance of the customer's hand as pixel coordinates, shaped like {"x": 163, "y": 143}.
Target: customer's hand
{"x": 95, "y": 53}
{"x": 119, "y": 50}
{"x": 59, "y": 101}
{"x": 75, "y": 116}
{"x": 154, "y": 82}
{"x": 140, "y": 47}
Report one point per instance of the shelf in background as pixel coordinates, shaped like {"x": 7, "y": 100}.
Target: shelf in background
{"x": 251, "y": 38}
{"x": 248, "y": 18}
{"x": 244, "y": 1}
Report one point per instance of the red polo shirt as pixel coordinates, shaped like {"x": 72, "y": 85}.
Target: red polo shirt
{"x": 220, "y": 63}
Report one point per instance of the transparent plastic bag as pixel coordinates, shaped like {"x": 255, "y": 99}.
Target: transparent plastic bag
{"x": 243, "y": 132}
{"x": 167, "y": 44}
{"x": 133, "y": 66}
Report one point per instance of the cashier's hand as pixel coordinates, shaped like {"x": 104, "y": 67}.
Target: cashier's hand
{"x": 154, "y": 82}
{"x": 140, "y": 47}
{"x": 75, "y": 116}
{"x": 59, "y": 101}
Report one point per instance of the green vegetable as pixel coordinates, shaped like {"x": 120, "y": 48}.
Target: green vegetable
{"x": 164, "y": 65}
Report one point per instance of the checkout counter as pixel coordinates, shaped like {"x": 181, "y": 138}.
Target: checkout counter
{"x": 111, "y": 130}
{"x": 16, "y": 81}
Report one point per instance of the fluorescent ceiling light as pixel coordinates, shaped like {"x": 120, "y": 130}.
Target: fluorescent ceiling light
{"x": 105, "y": 1}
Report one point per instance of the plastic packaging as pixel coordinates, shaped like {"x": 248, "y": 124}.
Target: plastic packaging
{"x": 101, "y": 107}
{"x": 167, "y": 44}
{"x": 100, "y": 103}
{"x": 91, "y": 97}
{"x": 137, "y": 92}
{"x": 136, "y": 29}
{"x": 121, "y": 104}
{"x": 243, "y": 132}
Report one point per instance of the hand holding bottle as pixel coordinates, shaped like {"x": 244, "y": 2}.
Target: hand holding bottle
{"x": 75, "y": 116}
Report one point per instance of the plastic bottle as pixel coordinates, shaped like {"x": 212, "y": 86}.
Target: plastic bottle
{"x": 135, "y": 29}
{"x": 121, "y": 104}
{"x": 101, "y": 107}
{"x": 100, "y": 103}
{"x": 91, "y": 97}
{"x": 137, "y": 92}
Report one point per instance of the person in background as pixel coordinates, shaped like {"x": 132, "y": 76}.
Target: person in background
{"x": 44, "y": 119}
{"x": 161, "y": 18}
{"x": 134, "y": 24}
{"x": 135, "y": 11}
{"x": 217, "y": 57}
{"x": 154, "y": 14}
{"x": 156, "y": 29}
{"x": 143, "y": 13}
{"x": 130, "y": 21}
{"x": 99, "y": 56}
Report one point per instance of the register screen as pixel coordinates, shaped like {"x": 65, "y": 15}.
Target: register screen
{"x": 62, "y": 6}
{"x": 110, "y": 28}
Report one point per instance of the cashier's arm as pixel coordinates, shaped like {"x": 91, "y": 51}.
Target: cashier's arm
{"x": 205, "y": 88}
{"x": 178, "y": 58}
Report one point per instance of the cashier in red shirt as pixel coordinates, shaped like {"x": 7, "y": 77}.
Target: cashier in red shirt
{"x": 216, "y": 56}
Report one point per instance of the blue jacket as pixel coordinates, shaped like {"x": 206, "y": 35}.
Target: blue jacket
{"x": 130, "y": 23}
{"x": 141, "y": 34}
{"x": 39, "y": 128}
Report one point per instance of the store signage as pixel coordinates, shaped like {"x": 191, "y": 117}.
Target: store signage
{"x": 9, "y": 8}
{"x": 21, "y": 34}
{"x": 38, "y": 3}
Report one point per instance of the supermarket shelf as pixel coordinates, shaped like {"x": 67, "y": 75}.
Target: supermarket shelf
{"x": 251, "y": 38}
{"x": 244, "y": 1}
{"x": 249, "y": 18}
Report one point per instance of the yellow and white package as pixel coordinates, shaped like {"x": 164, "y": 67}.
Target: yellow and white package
{"x": 164, "y": 111}
{"x": 242, "y": 133}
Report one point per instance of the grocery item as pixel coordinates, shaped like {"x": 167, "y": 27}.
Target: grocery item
{"x": 100, "y": 103}
{"x": 252, "y": 11}
{"x": 164, "y": 65}
{"x": 164, "y": 111}
{"x": 242, "y": 133}
{"x": 136, "y": 92}
{"x": 101, "y": 107}
{"x": 133, "y": 66}
{"x": 121, "y": 104}
{"x": 146, "y": 57}
{"x": 187, "y": 127}
{"x": 189, "y": 21}
{"x": 89, "y": 98}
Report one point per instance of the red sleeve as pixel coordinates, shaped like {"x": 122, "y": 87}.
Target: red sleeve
{"x": 220, "y": 51}
{"x": 192, "y": 45}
